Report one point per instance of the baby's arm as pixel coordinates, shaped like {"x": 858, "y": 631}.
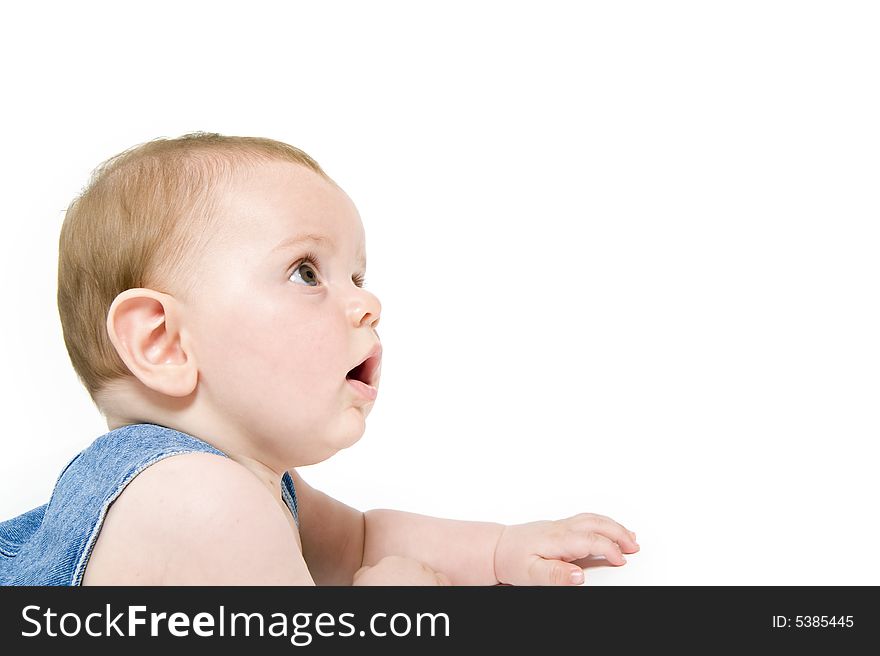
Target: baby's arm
{"x": 462, "y": 550}
{"x": 338, "y": 540}
{"x": 484, "y": 553}
{"x": 227, "y": 530}
{"x": 332, "y": 535}
{"x": 334, "y": 547}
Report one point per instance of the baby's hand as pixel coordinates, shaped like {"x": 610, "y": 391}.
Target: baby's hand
{"x": 398, "y": 570}
{"x": 541, "y": 553}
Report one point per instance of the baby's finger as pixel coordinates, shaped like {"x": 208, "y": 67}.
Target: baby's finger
{"x": 580, "y": 544}
{"x": 595, "y": 519}
{"x": 606, "y": 526}
{"x": 554, "y": 572}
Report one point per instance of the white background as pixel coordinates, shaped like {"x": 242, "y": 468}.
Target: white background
{"x": 627, "y": 252}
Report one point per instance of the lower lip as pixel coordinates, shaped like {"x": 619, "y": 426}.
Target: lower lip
{"x": 363, "y": 389}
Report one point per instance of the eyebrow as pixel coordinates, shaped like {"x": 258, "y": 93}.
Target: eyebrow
{"x": 313, "y": 238}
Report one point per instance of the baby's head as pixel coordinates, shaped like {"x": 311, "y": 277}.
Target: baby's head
{"x": 213, "y": 284}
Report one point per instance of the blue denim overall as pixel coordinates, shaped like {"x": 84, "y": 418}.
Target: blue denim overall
{"x": 51, "y": 544}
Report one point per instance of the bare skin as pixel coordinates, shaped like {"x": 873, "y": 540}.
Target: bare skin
{"x": 255, "y": 364}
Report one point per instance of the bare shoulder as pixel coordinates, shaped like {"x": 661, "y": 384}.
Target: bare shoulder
{"x": 196, "y": 519}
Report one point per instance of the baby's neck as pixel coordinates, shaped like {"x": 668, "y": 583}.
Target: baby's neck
{"x": 130, "y": 402}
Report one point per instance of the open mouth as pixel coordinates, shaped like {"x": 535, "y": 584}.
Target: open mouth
{"x": 359, "y": 373}
{"x": 365, "y": 372}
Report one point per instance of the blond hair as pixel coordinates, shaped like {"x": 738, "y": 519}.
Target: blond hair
{"x": 132, "y": 225}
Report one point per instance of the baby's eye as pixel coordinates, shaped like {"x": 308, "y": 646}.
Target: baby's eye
{"x": 309, "y": 275}
{"x": 311, "y": 265}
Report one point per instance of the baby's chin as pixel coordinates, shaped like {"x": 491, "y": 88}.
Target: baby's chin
{"x": 326, "y": 440}
{"x": 347, "y": 437}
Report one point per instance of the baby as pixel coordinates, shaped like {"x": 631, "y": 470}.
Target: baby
{"x": 211, "y": 296}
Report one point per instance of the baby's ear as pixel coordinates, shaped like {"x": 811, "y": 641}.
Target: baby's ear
{"x": 145, "y": 328}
